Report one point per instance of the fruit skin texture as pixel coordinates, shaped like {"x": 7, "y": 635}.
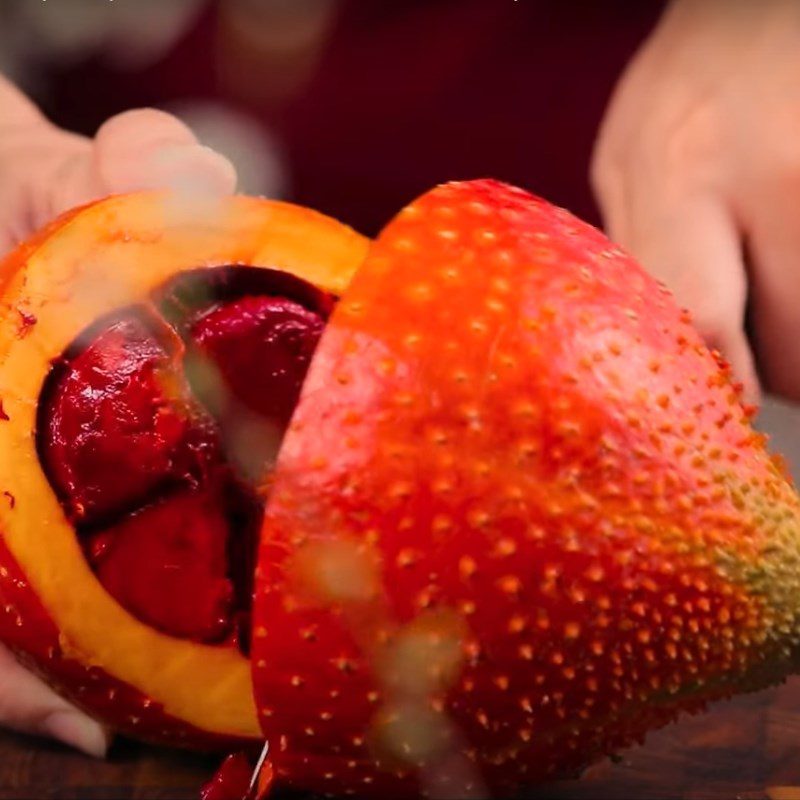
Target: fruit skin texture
{"x": 519, "y": 519}
{"x": 54, "y": 612}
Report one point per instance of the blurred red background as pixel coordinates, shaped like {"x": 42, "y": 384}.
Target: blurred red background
{"x": 353, "y": 107}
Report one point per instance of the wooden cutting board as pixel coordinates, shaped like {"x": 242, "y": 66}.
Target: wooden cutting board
{"x": 745, "y": 749}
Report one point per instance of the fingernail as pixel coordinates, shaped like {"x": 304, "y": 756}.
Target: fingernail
{"x": 78, "y": 731}
{"x": 190, "y": 169}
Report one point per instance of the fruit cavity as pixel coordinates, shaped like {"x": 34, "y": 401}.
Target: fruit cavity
{"x": 155, "y": 428}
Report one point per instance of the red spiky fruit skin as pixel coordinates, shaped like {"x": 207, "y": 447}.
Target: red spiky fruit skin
{"x": 520, "y": 517}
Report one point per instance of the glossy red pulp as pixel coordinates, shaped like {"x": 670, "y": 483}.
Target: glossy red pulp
{"x": 154, "y": 428}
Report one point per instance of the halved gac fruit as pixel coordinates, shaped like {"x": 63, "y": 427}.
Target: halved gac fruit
{"x": 150, "y": 361}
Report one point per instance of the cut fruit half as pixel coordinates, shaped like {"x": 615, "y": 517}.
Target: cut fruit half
{"x": 515, "y": 524}
{"x": 150, "y": 361}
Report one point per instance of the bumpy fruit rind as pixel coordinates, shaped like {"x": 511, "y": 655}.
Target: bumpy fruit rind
{"x": 519, "y": 519}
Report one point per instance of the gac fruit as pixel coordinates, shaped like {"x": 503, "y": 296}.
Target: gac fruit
{"x": 462, "y": 511}
{"x": 148, "y": 364}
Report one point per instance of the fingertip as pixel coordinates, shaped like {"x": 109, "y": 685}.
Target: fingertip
{"x": 29, "y": 705}
{"x": 737, "y": 351}
{"x": 752, "y": 394}
{"x": 78, "y": 731}
{"x": 187, "y": 169}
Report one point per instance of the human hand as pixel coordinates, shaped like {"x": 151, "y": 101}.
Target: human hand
{"x": 43, "y": 171}
{"x": 697, "y": 173}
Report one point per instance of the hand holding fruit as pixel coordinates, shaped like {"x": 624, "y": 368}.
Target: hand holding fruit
{"x": 44, "y": 171}
{"x": 697, "y": 173}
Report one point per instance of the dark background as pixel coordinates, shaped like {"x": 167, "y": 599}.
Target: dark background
{"x": 368, "y": 102}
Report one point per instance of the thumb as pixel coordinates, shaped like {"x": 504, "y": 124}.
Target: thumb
{"x": 144, "y": 149}
{"x": 30, "y": 706}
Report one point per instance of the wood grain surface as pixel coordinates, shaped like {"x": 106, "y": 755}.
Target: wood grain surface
{"x": 744, "y": 749}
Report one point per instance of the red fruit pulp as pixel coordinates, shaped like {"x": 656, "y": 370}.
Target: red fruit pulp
{"x": 248, "y": 363}
{"x": 152, "y": 428}
{"x": 121, "y": 422}
{"x": 262, "y": 347}
{"x": 166, "y": 563}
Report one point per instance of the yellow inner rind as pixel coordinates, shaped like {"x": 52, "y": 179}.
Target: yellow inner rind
{"x": 110, "y": 255}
